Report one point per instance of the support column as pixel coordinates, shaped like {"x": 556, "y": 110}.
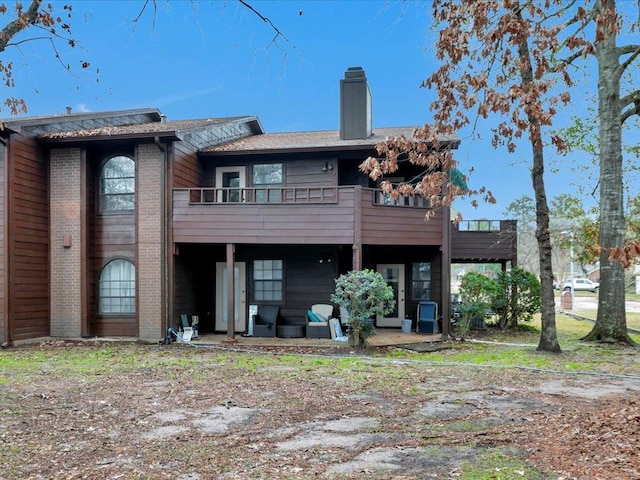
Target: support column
{"x": 357, "y": 229}
{"x": 446, "y": 271}
{"x": 231, "y": 318}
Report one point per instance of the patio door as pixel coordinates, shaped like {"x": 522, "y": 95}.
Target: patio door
{"x": 393, "y": 274}
{"x": 240, "y": 297}
{"x": 231, "y": 181}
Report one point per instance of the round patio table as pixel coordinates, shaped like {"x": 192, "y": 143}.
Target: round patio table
{"x": 290, "y": 331}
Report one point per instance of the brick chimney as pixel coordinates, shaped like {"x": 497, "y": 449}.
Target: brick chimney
{"x": 355, "y": 105}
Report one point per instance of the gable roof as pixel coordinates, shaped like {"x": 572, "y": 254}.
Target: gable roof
{"x": 321, "y": 140}
{"x": 77, "y": 121}
{"x": 173, "y": 130}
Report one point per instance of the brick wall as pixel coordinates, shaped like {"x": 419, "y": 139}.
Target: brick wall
{"x": 149, "y": 235}
{"x": 66, "y": 207}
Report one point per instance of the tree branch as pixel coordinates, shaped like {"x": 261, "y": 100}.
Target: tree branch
{"x": 266, "y": 20}
{"x": 632, "y": 99}
{"x": 30, "y": 17}
{"x": 634, "y": 54}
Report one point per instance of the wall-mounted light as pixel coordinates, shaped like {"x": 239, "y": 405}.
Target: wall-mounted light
{"x": 328, "y": 167}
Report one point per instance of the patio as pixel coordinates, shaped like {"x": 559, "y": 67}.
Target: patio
{"x": 384, "y": 337}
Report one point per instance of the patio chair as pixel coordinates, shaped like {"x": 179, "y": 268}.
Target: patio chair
{"x": 264, "y": 322}
{"x": 344, "y": 316}
{"x": 318, "y": 321}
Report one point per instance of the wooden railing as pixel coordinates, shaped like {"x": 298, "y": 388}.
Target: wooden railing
{"x": 262, "y": 195}
{"x": 293, "y": 195}
{"x": 479, "y": 226}
{"x": 384, "y": 199}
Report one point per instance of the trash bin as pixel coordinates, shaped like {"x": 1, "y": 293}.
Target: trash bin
{"x": 566, "y": 301}
{"x": 406, "y": 325}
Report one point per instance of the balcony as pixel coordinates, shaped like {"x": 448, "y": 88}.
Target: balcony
{"x": 302, "y": 215}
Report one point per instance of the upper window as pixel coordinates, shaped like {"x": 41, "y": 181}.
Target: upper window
{"x": 267, "y": 280}
{"x": 117, "y": 288}
{"x": 267, "y": 175}
{"x": 421, "y": 281}
{"x": 118, "y": 184}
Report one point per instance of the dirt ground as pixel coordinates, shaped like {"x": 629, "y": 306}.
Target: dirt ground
{"x": 179, "y": 412}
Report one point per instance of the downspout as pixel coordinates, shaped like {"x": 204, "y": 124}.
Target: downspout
{"x": 163, "y": 233}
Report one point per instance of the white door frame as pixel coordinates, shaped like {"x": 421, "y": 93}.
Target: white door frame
{"x": 242, "y": 175}
{"x": 394, "y": 321}
{"x": 240, "y": 297}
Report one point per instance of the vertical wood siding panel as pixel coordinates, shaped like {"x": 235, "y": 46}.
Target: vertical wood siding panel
{"x": 29, "y": 216}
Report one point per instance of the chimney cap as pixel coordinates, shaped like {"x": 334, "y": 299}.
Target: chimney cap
{"x": 354, "y": 72}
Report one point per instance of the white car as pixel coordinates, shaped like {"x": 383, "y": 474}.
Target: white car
{"x": 582, "y": 285}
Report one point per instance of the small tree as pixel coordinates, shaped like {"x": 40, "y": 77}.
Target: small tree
{"x": 517, "y": 297}
{"x": 363, "y": 294}
{"x": 476, "y": 293}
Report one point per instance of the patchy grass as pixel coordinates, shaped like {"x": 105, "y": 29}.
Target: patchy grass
{"x": 499, "y": 466}
{"x": 136, "y": 411}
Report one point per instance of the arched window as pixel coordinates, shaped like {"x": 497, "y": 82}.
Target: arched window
{"x": 117, "y": 290}
{"x": 118, "y": 184}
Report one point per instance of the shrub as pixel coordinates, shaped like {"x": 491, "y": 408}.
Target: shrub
{"x": 363, "y": 294}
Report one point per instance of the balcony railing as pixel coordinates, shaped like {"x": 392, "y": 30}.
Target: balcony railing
{"x": 262, "y": 195}
{"x": 384, "y": 199}
{"x": 479, "y": 226}
{"x": 293, "y": 195}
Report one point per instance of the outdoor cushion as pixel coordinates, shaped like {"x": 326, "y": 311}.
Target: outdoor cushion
{"x": 313, "y": 317}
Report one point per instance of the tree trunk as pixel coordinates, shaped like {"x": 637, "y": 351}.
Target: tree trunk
{"x": 611, "y": 322}
{"x": 548, "y": 335}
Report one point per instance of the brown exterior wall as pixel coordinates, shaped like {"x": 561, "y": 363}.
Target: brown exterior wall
{"x": 3, "y": 255}
{"x": 28, "y": 240}
{"x": 186, "y": 168}
{"x": 150, "y": 270}
{"x": 67, "y": 210}
{"x": 333, "y": 223}
{"x": 390, "y": 225}
{"x": 475, "y": 246}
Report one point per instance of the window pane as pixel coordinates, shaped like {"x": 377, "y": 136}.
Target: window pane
{"x": 267, "y": 280}
{"x": 269, "y": 174}
{"x": 117, "y": 287}
{"x": 118, "y": 184}
{"x": 421, "y": 281}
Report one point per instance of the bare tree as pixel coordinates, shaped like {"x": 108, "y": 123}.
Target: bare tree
{"x": 47, "y": 26}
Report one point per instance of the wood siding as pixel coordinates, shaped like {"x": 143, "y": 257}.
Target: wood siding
{"x": 4, "y": 316}
{"x": 303, "y": 223}
{"x": 264, "y": 223}
{"x": 393, "y": 225}
{"x": 28, "y": 240}
{"x": 484, "y": 246}
{"x": 186, "y": 168}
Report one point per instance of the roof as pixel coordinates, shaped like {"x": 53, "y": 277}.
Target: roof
{"x": 142, "y": 128}
{"x": 172, "y": 129}
{"x": 74, "y": 121}
{"x": 322, "y": 140}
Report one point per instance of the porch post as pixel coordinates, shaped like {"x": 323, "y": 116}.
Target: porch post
{"x": 446, "y": 271}
{"x": 231, "y": 319}
{"x": 357, "y": 228}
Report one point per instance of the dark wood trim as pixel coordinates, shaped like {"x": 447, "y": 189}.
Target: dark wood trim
{"x": 231, "y": 323}
{"x": 445, "y": 270}
{"x": 357, "y": 228}
{"x": 5, "y": 248}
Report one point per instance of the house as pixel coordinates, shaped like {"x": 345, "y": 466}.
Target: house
{"x": 115, "y": 223}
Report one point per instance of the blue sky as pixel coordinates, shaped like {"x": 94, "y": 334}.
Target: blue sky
{"x": 199, "y": 59}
